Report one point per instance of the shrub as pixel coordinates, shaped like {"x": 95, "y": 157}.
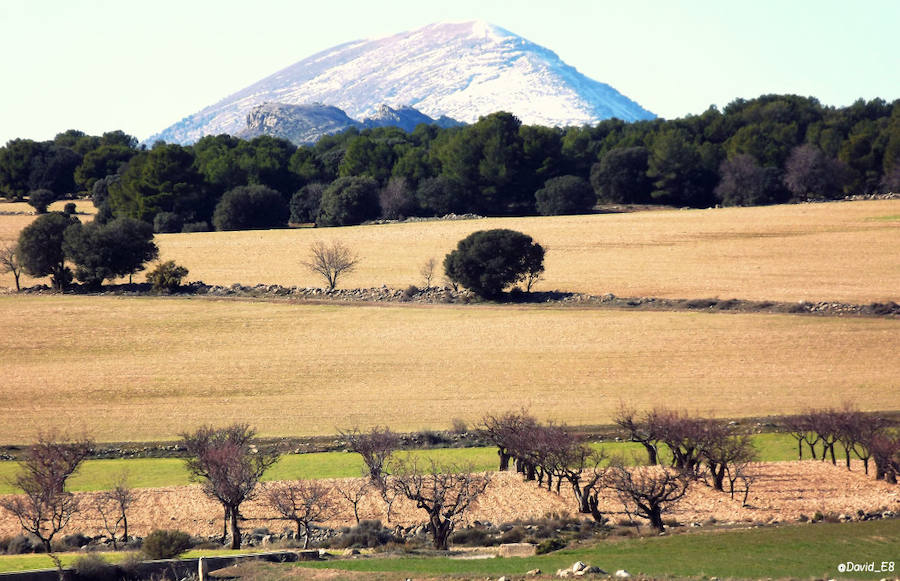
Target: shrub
{"x": 473, "y": 537}
{"x": 93, "y": 567}
{"x": 348, "y": 201}
{"x": 488, "y": 261}
{"x": 565, "y": 195}
{"x": 367, "y": 534}
{"x": 513, "y": 535}
{"x": 195, "y": 227}
{"x": 19, "y": 545}
{"x": 167, "y": 223}
{"x": 251, "y": 208}
{"x": 75, "y": 540}
{"x": 166, "y": 544}
{"x": 70, "y": 209}
{"x": 459, "y": 426}
{"x": 40, "y": 199}
{"x": 130, "y": 564}
{"x": 167, "y": 276}
{"x": 305, "y": 203}
{"x": 550, "y": 545}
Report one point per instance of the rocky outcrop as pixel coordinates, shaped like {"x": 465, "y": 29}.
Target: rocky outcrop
{"x": 305, "y": 124}
{"x": 299, "y": 124}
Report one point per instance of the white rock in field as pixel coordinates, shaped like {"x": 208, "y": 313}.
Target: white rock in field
{"x": 578, "y": 566}
{"x": 623, "y": 574}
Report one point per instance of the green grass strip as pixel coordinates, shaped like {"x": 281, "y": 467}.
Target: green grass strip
{"x": 158, "y": 472}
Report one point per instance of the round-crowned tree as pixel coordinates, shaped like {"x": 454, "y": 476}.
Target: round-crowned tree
{"x": 251, "y": 208}
{"x": 41, "y": 248}
{"x": 348, "y": 201}
{"x": 488, "y": 261}
{"x": 565, "y": 195}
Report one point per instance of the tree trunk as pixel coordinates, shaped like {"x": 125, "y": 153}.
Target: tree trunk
{"x": 655, "y": 516}
{"x": 225, "y": 524}
{"x": 235, "y": 529}
{"x": 440, "y": 530}
{"x": 652, "y": 454}
{"x": 504, "y": 459}
{"x": 812, "y": 449}
{"x": 305, "y": 535}
{"x": 125, "y": 528}
{"x": 593, "y": 504}
{"x": 718, "y": 474}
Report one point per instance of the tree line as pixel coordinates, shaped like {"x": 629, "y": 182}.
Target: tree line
{"x": 229, "y": 464}
{"x": 772, "y": 149}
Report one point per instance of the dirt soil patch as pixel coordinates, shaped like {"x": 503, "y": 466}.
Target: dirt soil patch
{"x": 782, "y": 491}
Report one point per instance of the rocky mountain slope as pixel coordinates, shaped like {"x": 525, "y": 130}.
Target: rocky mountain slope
{"x": 459, "y": 70}
{"x": 304, "y": 124}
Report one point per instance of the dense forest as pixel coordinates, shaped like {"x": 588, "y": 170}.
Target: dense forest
{"x": 773, "y": 149}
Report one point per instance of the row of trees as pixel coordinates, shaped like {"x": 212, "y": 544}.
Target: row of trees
{"x": 99, "y": 251}
{"x": 864, "y": 435}
{"x": 766, "y": 150}
{"x": 700, "y": 449}
{"x": 229, "y": 465}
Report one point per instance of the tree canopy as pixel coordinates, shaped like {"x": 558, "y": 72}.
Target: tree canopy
{"x": 488, "y": 261}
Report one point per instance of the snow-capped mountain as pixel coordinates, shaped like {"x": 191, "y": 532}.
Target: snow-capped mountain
{"x": 459, "y": 70}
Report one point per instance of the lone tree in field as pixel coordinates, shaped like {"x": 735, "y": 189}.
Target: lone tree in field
{"x": 444, "y": 494}
{"x": 9, "y": 262}
{"x": 45, "y": 507}
{"x": 303, "y": 502}
{"x": 229, "y": 467}
{"x": 648, "y": 491}
{"x": 488, "y": 261}
{"x": 331, "y": 261}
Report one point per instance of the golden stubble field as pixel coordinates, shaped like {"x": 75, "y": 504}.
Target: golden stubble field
{"x": 150, "y": 368}
{"x": 837, "y": 252}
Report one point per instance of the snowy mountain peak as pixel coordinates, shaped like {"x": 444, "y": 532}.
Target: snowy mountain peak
{"x": 462, "y": 70}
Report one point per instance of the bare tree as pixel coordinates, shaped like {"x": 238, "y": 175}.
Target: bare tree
{"x": 885, "y": 451}
{"x": 725, "y": 452}
{"x": 586, "y": 471}
{"x": 444, "y": 494}
{"x": 304, "y": 502}
{"x": 683, "y": 436}
{"x": 641, "y": 431}
{"x": 427, "y": 271}
{"x": 9, "y": 262}
{"x": 112, "y": 506}
{"x": 508, "y": 432}
{"x": 353, "y": 491}
{"x": 331, "y": 260}
{"x": 376, "y": 447}
{"x": 46, "y": 507}
{"x": 648, "y": 491}
{"x": 229, "y": 466}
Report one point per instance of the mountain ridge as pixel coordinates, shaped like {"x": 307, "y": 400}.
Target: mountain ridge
{"x": 461, "y": 70}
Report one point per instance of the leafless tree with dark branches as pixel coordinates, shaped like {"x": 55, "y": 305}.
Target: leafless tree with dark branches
{"x": 331, "y": 261}
{"x": 112, "y": 506}
{"x": 229, "y": 466}
{"x": 9, "y": 262}
{"x": 45, "y": 507}
{"x": 444, "y": 493}
{"x": 648, "y": 491}
{"x": 304, "y": 502}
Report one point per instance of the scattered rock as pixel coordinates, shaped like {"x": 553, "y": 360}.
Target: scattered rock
{"x": 623, "y": 574}
{"x": 578, "y": 566}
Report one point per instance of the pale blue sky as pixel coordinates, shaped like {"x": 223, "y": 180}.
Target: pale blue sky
{"x": 139, "y": 66}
